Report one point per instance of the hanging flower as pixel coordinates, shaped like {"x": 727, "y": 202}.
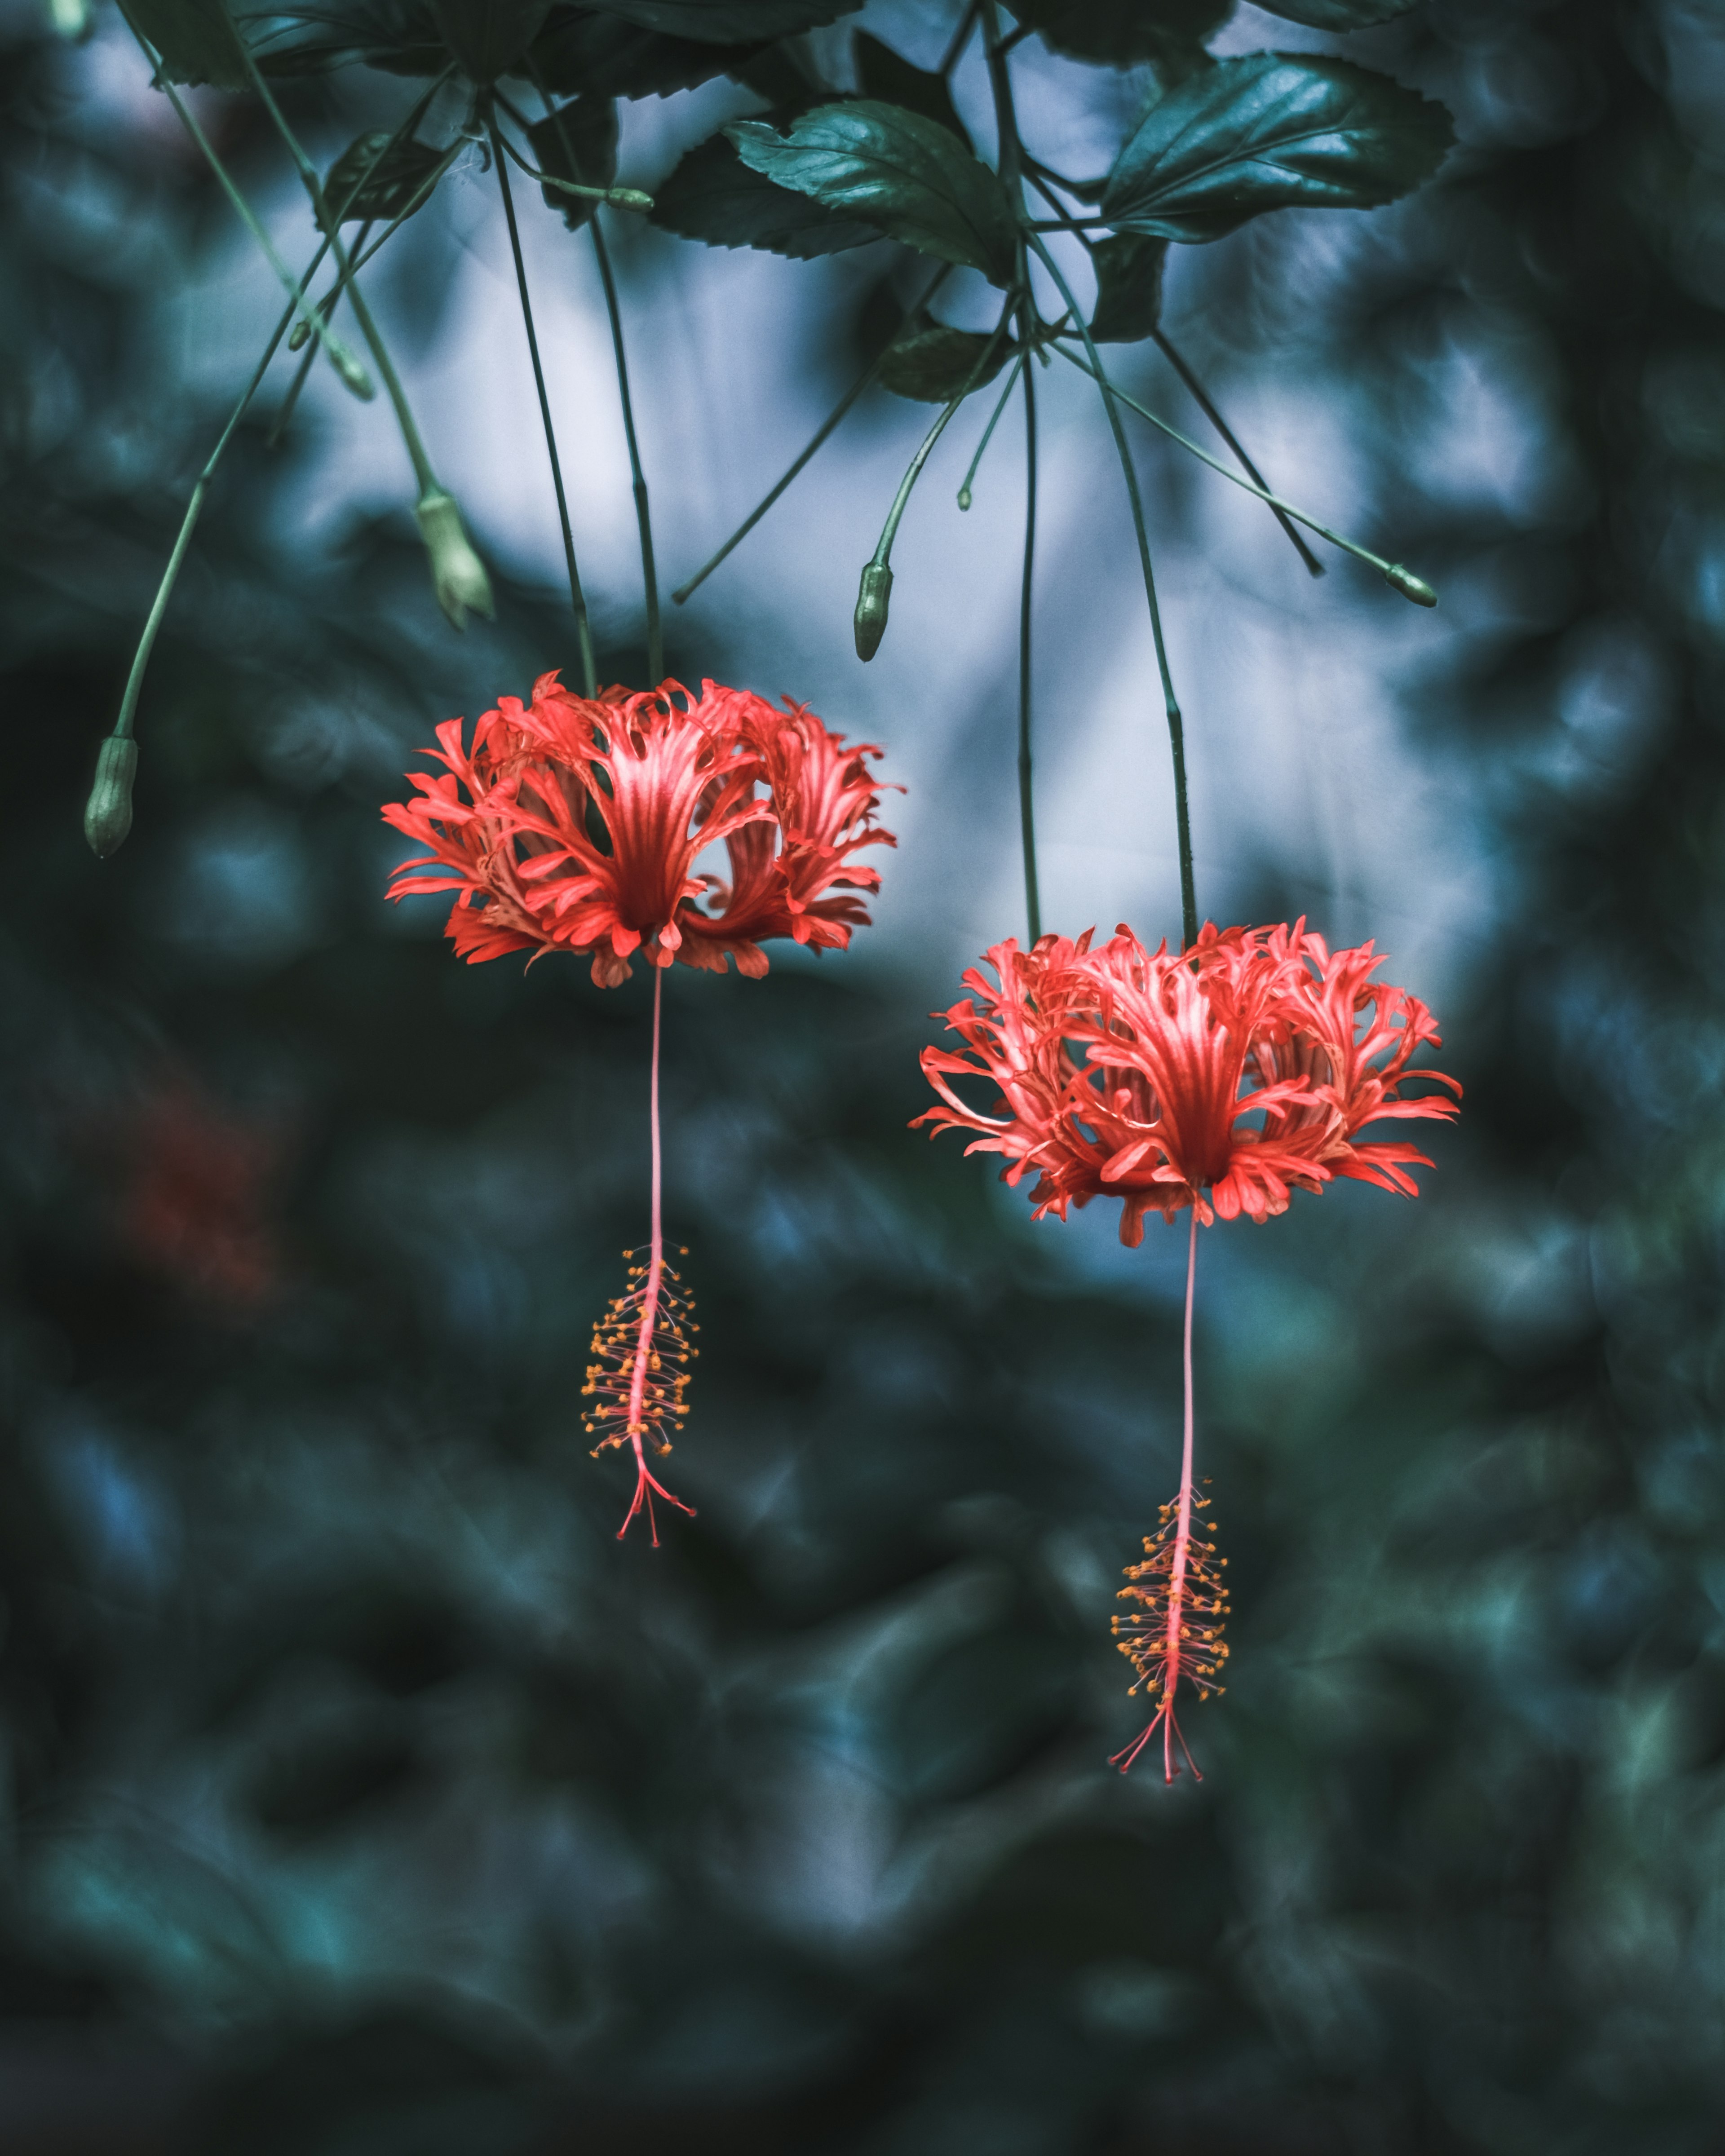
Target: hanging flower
{"x": 574, "y": 824}
{"x": 1222, "y": 1080}
{"x": 1133, "y": 1074}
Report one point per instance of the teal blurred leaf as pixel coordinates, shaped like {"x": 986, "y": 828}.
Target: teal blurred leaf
{"x": 729, "y": 22}
{"x": 1170, "y": 33}
{"x": 1336, "y": 14}
{"x": 1129, "y": 270}
{"x": 900, "y": 172}
{"x": 197, "y": 40}
{"x": 1272, "y": 131}
{"x": 713, "y": 196}
{"x": 933, "y": 363}
{"x": 357, "y": 187}
{"x": 603, "y": 56}
{"x": 576, "y": 142}
{"x": 889, "y": 79}
{"x": 489, "y": 37}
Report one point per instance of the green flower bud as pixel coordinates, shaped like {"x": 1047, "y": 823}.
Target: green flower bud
{"x": 353, "y": 375}
{"x": 870, "y": 621}
{"x": 456, "y": 571}
{"x": 628, "y": 199}
{"x": 107, "y": 813}
{"x": 1409, "y": 585}
{"x": 298, "y": 334}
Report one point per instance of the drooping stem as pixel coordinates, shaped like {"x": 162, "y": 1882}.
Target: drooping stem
{"x": 901, "y": 500}
{"x": 826, "y": 427}
{"x": 1012, "y": 383}
{"x": 170, "y": 575}
{"x": 1176, "y": 1598}
{"x": 589, "y": 674}
{"x": 361, "y": 256}
{"x": 1405, "y": 581}
{"x": 1201, "y": 397}
{"x": 1176, "y": 728}
{"x": 1026, "y": 813}
{"x": 650, "y": 1345}
{"x": 655, "y": 1248}
{"x": 351, "y": 372}
{"x": 637, "y": 478}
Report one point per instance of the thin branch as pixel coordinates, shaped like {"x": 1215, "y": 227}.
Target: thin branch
{"x": 1405, "y": 581}
{"x": 589, "y": 674}
{"x": 826, "y": 427}
{"x": 1027, "y": 813}
{"x": 1176, "y": 726}
{"x": 637, "y": 477}
{"x": 1201, "y": 397}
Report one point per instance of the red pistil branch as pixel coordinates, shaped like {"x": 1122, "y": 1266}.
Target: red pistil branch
{"x": 1177, "y": 1630}
{"x": 637, "y": 1376}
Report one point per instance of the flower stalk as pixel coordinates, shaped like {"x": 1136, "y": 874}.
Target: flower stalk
{"x": 578, "y": 599}
{"x": 1403, "y": 580}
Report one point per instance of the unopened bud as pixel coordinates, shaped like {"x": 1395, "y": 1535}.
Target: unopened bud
{"x": 456, "y": 571}
{"x": 870, "y": 621}
{"x": 1409, "y": 585}
{"x": 107, "y": 813}
{"x": 964, "y": 497}
{"x": 628, "y": 199}
{"x": 353, "y": 375}
{"x": 298, "y": 334}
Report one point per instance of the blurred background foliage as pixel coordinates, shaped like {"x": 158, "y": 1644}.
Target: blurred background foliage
{"x": 360, "y": 1792}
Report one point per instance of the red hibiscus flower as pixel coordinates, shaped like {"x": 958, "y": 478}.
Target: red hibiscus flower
{"x": 574, "y": 825}
{"x": 1223, "y": 1079}
{"x": 1134, "y": 1074}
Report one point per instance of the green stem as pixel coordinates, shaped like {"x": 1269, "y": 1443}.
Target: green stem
{"x": 351, "y": 372}
{"x": 960, "y": 40}
{"x": 826, "y": 427}
{"x": 424, "y": 475}
{"x": 637, "y": 477}
{"x": 1201, "y": 397}
{"x": 964, "y": 493}
{"x": 584, "y": 630}
{"x": 1176, "y": 728}
{"x": 901, "y": 500}
{"x": 1405, "y": 581}
{"x": 362, "y": 255}
{"x": 170, "y": 576}
{"x": 1027, "y": 816}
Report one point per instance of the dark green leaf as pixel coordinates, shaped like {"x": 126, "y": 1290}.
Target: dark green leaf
{"x": 400, "y": 36}
{"x": 1128, "y": 269}
{"x": 894, "y": 81}
{"x": 1336, "y": 14}
{"x": 606, "y": 57}
{"x": 488, "y": 37}
{"x": 905, "y": 174}
{"x": 933, "y": 363}
{"x": 357, "y": 187}
{"x": 713, "y": 196}
{"x": 576, "y": 142}
{"x": 1272, "y": 131}
{"x": 783, "y": 78}
{"x": 1170, "y": 32}
{"x": 197, "y": 40}
{"x": 729, "y": 22}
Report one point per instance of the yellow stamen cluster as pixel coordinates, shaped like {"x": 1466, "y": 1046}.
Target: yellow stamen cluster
{"x": 1142, "y": 1637}
{"x": 617, "y": 1348}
